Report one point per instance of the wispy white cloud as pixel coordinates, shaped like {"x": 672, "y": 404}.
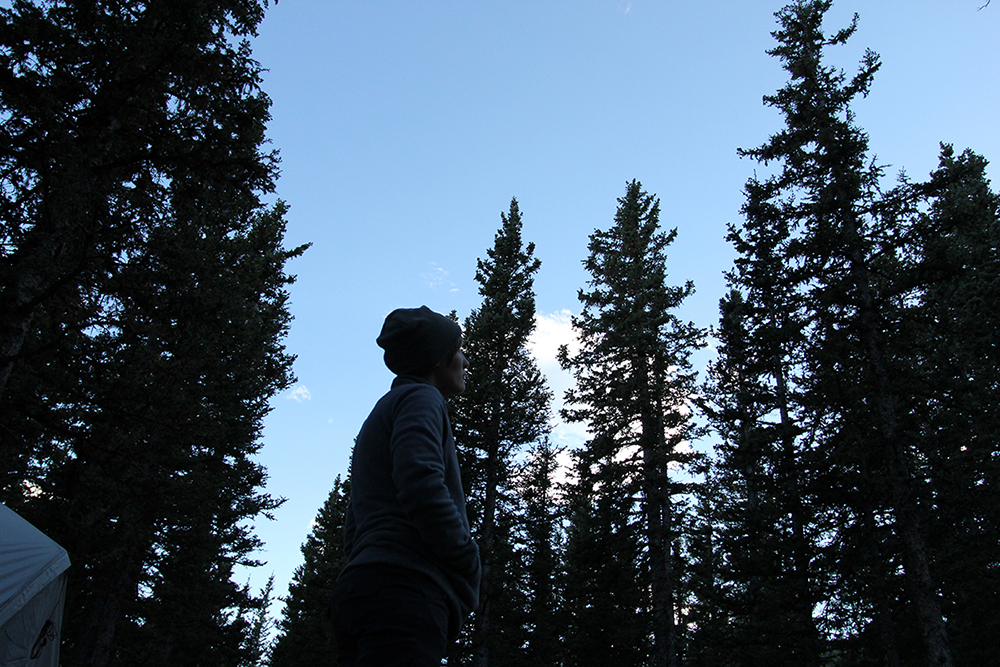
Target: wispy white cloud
{"x": 438, "y": 278}
{"x": 299, "y": 393}
{"x": 553, "y": 330}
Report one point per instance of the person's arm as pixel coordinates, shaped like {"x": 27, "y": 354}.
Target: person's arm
{"x": 418, "y": 471}
{"x": 349, "y": 528}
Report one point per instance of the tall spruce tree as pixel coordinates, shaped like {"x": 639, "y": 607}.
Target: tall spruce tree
{"x": 761, "y": 535}
{"x": 504, "y": 409}
{"x": 144, "y": 303}
{"x": 100, "y": 106}
{"x": 304, "y": 630}
{"x": 634, "y": 386}
{"x": 140, "y": 434}
{"x": 842, "y": 254}
{"x": 954, "y": 353}
{"x": 540, "y": 543}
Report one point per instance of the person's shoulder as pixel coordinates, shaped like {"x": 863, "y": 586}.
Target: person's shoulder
{"x": 415, "y": 392}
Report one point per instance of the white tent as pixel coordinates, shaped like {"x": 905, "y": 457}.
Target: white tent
{"x": 32, "y": 592}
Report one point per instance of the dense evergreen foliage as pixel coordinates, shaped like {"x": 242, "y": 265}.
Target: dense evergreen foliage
{"x": 142, "y": 311}
{"x": 540, "y": 546}
{"x": 838, "y": 380}
{"x": 504, "y": 410}
{"x": 952, "y": 358}
{"x": 634, "y": 386}
{"x": 304, "y": 632}
{"x": 848, "y": 513}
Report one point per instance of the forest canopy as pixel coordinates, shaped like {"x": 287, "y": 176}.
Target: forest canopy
{"x": 843, "y": 508}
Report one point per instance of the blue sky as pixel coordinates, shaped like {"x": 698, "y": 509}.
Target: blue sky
{"x": 405, "y": 128}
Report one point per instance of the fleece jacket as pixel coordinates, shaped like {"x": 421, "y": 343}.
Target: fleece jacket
{"x": 407, "y": 506}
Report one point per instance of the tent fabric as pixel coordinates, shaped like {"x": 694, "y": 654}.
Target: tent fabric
{"x": 31, "y": 637}
{"x": 29, "y": 561}
{"x": 32, "y": 590}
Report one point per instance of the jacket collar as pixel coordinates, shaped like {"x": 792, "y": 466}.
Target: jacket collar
{"x": 400, "y": 380}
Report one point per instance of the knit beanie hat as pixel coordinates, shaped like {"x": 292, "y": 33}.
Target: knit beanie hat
{"x": 415, "y": 340}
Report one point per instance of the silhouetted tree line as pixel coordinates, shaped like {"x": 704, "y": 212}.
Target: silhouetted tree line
{"x": 846, "y": 515}
{"x": 142, "y": 313}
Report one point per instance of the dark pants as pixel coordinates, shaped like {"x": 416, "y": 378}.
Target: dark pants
{"x": 387, "y": 617}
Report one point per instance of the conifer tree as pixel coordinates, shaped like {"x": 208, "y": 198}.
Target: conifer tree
{"x": 634, "y": 386}
{"x": 258, "y": 640}
{"x": 142, "y": 432}
{"x": 304, "y": 630}
{"x": 954, "y": 352}
{"x": 762, "y": 533}
{"x": 540, "y": 541}
{"x": 143, "y": 305}
{"x": 712, "y": 627}
{"x": 841, "y": 257}
{"x": 605, "y": 598}
{"x": 504, "y": 409}
{"x": 100, "y": 109}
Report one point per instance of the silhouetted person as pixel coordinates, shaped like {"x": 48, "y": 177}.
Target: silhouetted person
{"x": 412, "y": 573}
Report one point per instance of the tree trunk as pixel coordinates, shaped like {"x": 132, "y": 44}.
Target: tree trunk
{"x": 808, "y": 653}
{"x": 658, "y": 529}
{"x": 483, "y": 626}
{"x": 886, "y": 626}
{"x": 916, "y": 568}
{"x": 481, "y": 654}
